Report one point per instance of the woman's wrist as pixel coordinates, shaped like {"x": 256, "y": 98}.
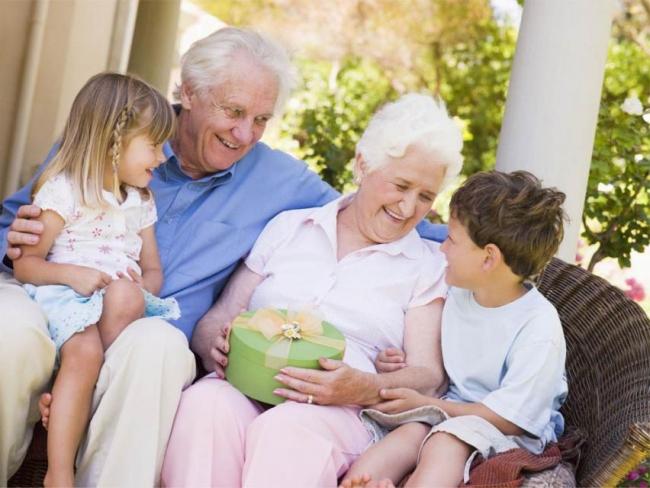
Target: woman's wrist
{"x": 372, "y": 385}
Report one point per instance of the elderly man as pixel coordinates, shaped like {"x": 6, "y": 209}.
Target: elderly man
{"x": 214, "y": 194}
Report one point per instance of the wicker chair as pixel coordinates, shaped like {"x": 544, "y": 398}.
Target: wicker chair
{"x": 608, "y": 365}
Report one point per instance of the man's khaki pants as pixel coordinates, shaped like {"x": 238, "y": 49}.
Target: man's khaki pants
{"x": 133, "y": 405}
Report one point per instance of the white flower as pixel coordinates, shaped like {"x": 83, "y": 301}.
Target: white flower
{"x": 632, "y": 106}
{"x": 638, "y": 158}
{"x": 646, "y": 117}
{"x": 605, "y": 187}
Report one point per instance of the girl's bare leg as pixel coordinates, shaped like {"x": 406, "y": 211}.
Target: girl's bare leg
{"x": 442, "y": 462}
{"x": 81, "y": 359}
{"x": 388, "y": 461}
{"x": 123, "y": 304}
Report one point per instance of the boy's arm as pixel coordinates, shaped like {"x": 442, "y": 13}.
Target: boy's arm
{"x": 424, "y": 369}
{"x": 32, "y": 267}
{"x": 401, "y": 399}
{"x": 152, "y": 275}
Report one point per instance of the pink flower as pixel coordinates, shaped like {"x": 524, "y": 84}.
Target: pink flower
{"x": 104, "y": 249}
{"x": 97, "y": 232}
{"x": 643, "y": 484}
{"x": 633, "y": 475}
{"x": 635, "y": 291}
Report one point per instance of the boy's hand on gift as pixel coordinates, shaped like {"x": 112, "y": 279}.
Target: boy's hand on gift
{"x": 389, "y": 360}
{"x": 336, "y": 384}
{"x": 398, "y": 400}
{"x": 86, "y": 281}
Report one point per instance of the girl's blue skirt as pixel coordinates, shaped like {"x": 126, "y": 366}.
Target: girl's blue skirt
{"x": 68, "y": 312}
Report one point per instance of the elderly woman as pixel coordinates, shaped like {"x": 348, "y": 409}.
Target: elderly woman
{"x": 362, "y": 264}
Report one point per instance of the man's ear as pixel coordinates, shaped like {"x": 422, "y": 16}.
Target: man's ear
{"x": 493, "y": 257}
{"x": 187, "y": 95}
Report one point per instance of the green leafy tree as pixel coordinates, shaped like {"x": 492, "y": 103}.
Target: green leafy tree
{"x": 474, "y": 83}
{"x": 330, "y": 112}
{"x": 617, "y": 208}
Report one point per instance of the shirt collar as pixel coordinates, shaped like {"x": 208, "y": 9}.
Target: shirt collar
{"x": 171, "y": 169}
{"x": 409, "y": 245}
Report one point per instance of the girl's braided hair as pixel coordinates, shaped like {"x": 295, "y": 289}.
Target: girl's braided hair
{"x": 106, "y": 114}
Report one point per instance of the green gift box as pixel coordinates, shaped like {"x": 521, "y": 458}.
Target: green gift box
{"x": 266, "y": 340}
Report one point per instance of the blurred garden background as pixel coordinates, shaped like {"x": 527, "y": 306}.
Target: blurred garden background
{"x": 353, "y": 56}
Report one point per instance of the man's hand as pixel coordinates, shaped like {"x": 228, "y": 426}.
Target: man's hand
{"x": 132, "y": 275}
{"x": 337, "y": 384}
{"x": 23, "y": 230}
{"x": 219, "y": 350}
{"x": 86, "y": 281}
{"x": 389, "y": 360}
{"x": 398, "y": 400}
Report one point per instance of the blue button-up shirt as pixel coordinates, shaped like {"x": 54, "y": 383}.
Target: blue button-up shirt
{"x": 206, "y": 226}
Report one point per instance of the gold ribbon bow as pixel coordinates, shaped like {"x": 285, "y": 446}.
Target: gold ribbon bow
{"x": 282, "y": 328}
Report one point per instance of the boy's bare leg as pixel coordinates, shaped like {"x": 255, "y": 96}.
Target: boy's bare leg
{"x": 390, "y": 459}
{"x": 442, "y": 462}
{"x": 81, "y": 359}
{"x": 123, "y": 304}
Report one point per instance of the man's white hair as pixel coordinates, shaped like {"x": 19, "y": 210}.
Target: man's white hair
{"x": 413, "y": 119}
{"x": 206, "y": 62}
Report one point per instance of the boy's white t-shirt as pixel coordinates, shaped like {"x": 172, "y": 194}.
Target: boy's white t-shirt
{"x": 510, "y": 358}
{"x": 107, "y": 239}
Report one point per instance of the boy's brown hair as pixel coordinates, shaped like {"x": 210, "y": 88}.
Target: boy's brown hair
{"x": 513, "y": 212}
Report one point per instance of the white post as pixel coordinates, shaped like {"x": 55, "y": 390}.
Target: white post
{"x": 553, "y": 99}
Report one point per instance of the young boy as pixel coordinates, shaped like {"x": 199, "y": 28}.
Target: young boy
{"x": 502, "y": 342}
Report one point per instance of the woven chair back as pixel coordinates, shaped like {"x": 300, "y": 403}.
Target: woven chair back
{"x": 608, "y": 368}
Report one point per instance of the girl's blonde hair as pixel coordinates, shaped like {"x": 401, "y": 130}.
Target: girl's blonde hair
{"x": 106, "y": 114}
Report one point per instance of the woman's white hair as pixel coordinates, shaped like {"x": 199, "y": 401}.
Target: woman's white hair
{"x": 413, "y": 119}
{"x": 206, "y": 62}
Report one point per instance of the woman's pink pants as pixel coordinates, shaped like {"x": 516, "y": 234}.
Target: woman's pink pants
{"x": 222, "y": 438}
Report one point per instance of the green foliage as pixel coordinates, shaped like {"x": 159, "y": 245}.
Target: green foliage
{"x": 329, "y": 113}
{"x": 617, "y": 207}
{"x": 327, "y": 118}
{"x": 474, "y": 82}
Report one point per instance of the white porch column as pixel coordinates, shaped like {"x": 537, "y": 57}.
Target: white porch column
{"x": 553, "y": 99}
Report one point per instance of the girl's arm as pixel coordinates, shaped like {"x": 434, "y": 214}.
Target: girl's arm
{"x": 152, "y": 275}
{"x": 32, "y": 267}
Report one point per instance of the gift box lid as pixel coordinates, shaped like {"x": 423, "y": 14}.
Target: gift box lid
{"x": 300, "y": 352}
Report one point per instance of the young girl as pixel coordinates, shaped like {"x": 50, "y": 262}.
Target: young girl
{"x": 96, "y": 267}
